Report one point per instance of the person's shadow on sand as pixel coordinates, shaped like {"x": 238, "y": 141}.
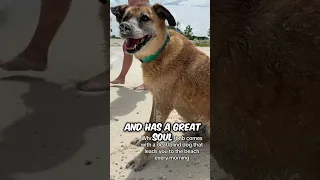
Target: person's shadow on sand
{"x": 54, "y": 131}
{"x": 126, "y": 102}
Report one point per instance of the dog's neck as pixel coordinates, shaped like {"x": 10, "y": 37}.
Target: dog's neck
{"x": 154, "y": 49}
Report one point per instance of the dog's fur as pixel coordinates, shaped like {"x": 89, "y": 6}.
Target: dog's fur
{"x": 266, "y": 79}
{"x": 178, "y": 79}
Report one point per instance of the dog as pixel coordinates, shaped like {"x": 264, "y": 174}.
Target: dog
{"x": 175, "y": 71}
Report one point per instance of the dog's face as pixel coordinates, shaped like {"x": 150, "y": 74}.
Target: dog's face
{"x": 140, "y": 26}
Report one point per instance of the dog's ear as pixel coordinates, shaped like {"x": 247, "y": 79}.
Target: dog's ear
{"x": 164, "y": 13}
{"x": 118, "y": 11}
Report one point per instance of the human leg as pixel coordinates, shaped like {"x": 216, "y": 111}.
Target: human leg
{"x": 100, "y": 82}
{"x": 35, "y": 55}
{"x": 127, "y": 62}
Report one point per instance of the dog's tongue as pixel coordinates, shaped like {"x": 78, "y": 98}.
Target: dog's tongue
{"x": 130, "y": 43}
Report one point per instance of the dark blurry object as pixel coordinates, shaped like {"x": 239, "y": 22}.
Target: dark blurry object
{"x": 103, "y": 1}
{"x": 266, "y": 84}
{"x": 3, "y": 17}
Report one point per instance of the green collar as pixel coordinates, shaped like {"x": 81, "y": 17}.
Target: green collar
{"x": 156, "y": 54}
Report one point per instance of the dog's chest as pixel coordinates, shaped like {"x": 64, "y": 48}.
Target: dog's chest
{"x": 158, "y": 78}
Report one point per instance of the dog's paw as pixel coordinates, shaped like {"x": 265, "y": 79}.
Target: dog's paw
{"x": 137, "y": 141}
{"x": 138, "y": 163}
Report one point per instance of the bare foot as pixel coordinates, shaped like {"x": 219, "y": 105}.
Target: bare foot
{"x": 99, "y": 82}
{"x": 142, "y": 87}
{"x": 118, "y": 80}
{"x": 25, "y": 62}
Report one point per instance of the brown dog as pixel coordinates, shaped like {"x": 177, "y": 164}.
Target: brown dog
{"x": 176, "y": 72}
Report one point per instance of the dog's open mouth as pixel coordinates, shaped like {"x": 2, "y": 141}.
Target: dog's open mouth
{"x": 134, "y": 45}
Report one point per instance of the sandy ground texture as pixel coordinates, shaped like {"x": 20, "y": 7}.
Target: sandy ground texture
{"x": 49, "y": 131}
{"x": 128, "y": 105}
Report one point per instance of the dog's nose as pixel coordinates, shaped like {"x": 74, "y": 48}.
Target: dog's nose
{"x": 125, "y": 29}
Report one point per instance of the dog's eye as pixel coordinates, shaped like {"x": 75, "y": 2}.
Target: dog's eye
{"x": 144, "y": 18}
{"x": 126, "y": 18}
